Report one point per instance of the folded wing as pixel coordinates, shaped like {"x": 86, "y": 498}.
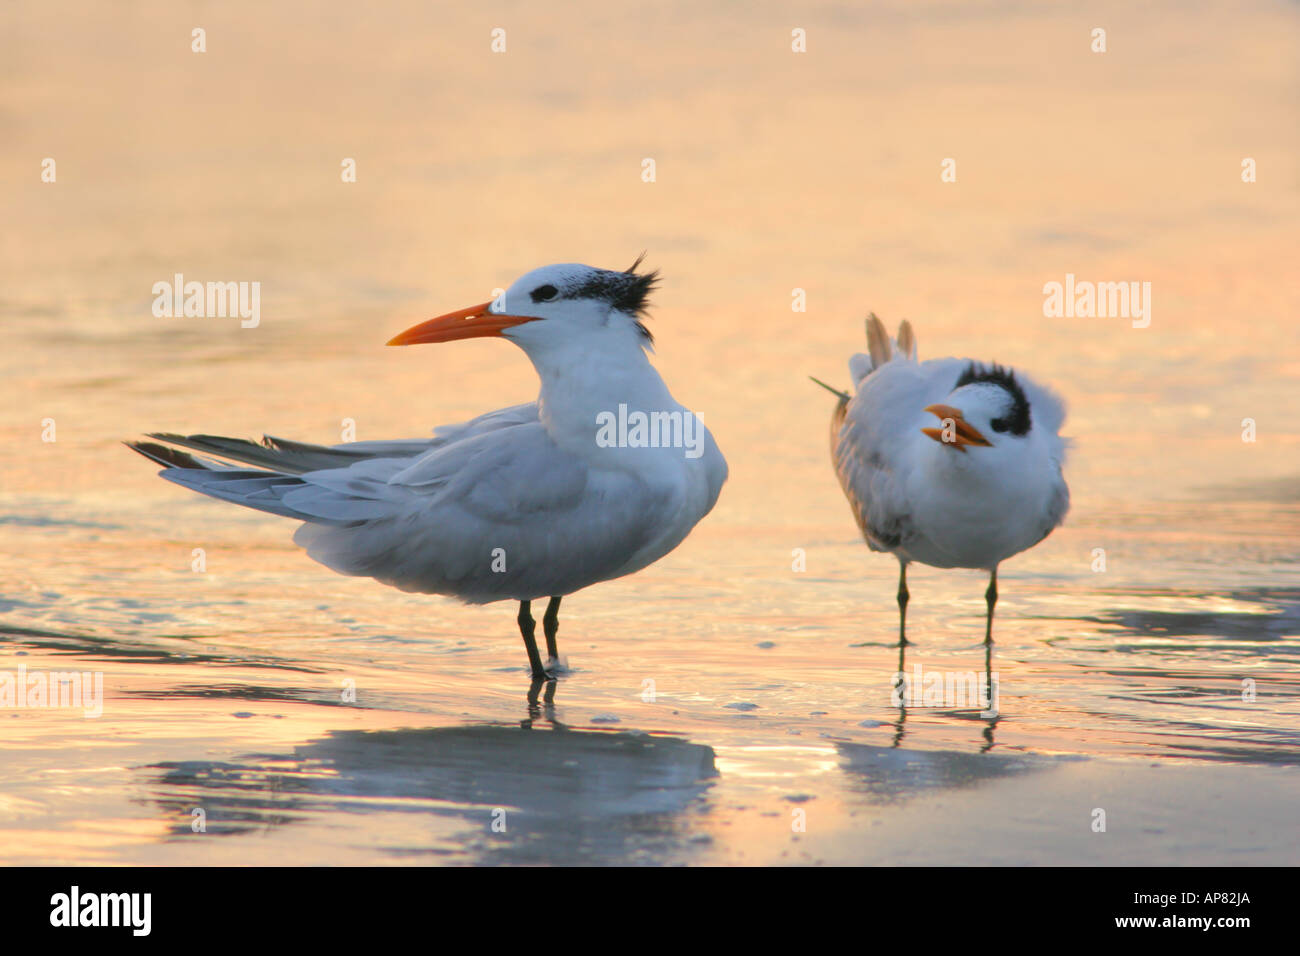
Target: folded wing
{"x": 488, "y": 509}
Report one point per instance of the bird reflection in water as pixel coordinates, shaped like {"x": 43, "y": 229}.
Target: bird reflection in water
{"x": 545, "y": 689}
{"x": 989, "y": 714}
{"x": 566, "y": 795}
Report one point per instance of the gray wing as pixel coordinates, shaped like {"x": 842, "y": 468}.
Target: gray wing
{"x": 432, "y": 515}
{"x": 867, "y": 449}
{"x": 1057, "y": 507}
{"x": 507, "y": 513}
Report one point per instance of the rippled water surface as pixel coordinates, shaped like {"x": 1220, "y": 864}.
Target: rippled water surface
{"x": 722, "y": 706}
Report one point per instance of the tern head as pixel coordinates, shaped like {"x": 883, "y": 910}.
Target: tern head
{"x": 987, "y": 408}
{"x": 551, "y": 307}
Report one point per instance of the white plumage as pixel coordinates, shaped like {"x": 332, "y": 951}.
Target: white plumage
{"x": 520, "y": 503}
{"x": 985, "y": 485}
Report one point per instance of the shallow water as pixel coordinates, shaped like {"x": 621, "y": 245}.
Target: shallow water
{"x": 719, "y": 699}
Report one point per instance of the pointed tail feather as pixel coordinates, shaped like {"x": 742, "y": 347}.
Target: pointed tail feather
{"x": 278, "y": 454}
{"x": 878, "y": 341}
{"x": 906, "y": 340}
{"x": 167, "y": 457}
{"x": 348, "y": 489}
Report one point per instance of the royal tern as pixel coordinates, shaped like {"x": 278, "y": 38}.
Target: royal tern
{"x": 983, "y": 486}
{"x": 536, "y": 500}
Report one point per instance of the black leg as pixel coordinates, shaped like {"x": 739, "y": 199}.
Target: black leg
{"x": 527, "y": 627}
{"x": 991, "y": 597}
{"x": 551, "y": 625}
{"x": 903, "y": 598}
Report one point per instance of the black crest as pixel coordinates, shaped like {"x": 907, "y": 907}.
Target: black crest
{"x": 627, "y": 291}
{"x": 1015, "y": 421}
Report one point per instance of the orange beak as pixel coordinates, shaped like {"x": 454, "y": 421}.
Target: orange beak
{"x": 471, "y": 323}
{"x": 961, "y": 434}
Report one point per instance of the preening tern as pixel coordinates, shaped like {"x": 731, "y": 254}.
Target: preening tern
{"x": 983, "y": 486}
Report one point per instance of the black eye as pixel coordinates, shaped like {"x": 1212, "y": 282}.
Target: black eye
{"x": 1000, "y": 424}
{"x": 544, "y": 293}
